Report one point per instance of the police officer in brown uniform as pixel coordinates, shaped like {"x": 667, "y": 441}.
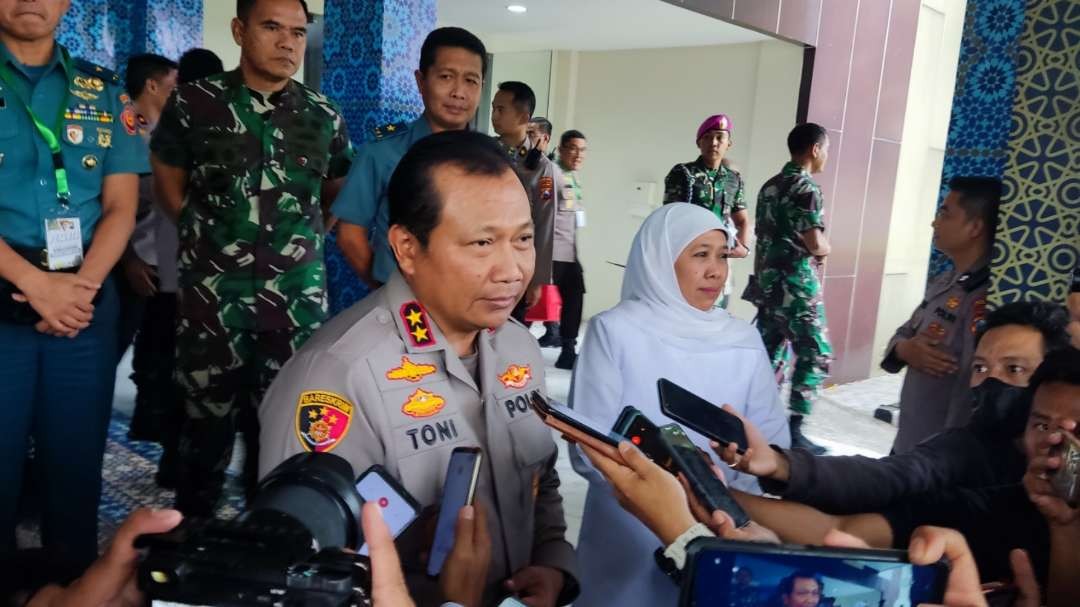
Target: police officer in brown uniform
{"x": 511, "y": 110}
{"x": 431, "y": 362}
{"x": 938, "y": 342}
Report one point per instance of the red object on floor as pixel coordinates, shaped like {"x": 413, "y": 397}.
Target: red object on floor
{"x": 549, "y": 306}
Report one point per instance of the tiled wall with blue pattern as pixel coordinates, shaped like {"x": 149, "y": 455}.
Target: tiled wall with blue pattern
{"x": 1015, "y": 117}
{"x": 371, "y": 49}
{"x": 107, "y": 32}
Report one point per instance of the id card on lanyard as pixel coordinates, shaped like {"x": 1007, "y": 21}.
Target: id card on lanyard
{"x": 63, "y": 233}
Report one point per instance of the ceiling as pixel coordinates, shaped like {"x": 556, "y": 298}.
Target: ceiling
{"x": 588, "y": 25}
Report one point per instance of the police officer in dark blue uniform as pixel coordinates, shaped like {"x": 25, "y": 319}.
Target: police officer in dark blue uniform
{"x": 69, "y": 166}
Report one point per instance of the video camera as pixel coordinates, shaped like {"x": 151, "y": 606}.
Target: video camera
{"x": 286, "y": 549}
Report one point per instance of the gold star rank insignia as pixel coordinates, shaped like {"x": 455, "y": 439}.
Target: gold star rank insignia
{"x": 417, "y": 326}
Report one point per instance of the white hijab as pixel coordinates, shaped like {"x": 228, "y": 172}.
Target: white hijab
{"x": 650, "y": 289}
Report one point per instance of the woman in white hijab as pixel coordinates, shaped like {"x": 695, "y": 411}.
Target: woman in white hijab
{"x": 665, "y": 325}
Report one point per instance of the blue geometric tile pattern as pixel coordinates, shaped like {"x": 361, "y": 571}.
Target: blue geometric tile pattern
{"x": 371, "y": 49}
{"x": 1038, "y": 237}
{"x": 981, "y": 114}
{"x": 107, "y": 32}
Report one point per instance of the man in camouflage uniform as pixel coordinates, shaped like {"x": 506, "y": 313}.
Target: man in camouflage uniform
{"x": 791, "y": 248}
{"x": 241, "y": 159}
{"x": 710, "y": 183}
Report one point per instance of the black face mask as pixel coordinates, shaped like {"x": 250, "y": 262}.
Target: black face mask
{"x": 1000, "y": 408}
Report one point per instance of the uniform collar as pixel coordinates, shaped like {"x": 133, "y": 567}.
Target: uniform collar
{"x": 976, "y": 276}
{"x": 790, "y": 168}
{"x": 700, "y": 163}
{"x": 288, "y": 97}
{"x": 515, "y": 152}
{"x": 57, "y": 60}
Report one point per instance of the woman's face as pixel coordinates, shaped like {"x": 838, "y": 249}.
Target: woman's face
{"x": 702, "y": 268}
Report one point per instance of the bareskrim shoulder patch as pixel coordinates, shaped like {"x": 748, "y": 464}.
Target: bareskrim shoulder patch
{"x": 322, "y": 420}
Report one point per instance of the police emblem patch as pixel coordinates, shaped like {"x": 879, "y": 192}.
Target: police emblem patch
{"x": 547, "y": 188}
{"x": 516, "y": 376}
{"x": 322, "y": 420}
{"x": 127, "y": 117}
{"x": 416, "y": 325}
{"x": 410, "y": 371}
{"x": 423, "y": 404}
{"x": 978, "y": 315}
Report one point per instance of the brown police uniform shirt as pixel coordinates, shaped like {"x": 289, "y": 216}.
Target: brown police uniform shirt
{"x": 952, "y": 310}
{"x": 540, "y": 184}
{"x": 379, "y": 384}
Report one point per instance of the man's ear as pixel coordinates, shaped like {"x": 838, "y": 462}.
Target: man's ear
{"x": 419, "y": 81}
{"x": 238, "y": 31}
{"x": 406, "y": 248}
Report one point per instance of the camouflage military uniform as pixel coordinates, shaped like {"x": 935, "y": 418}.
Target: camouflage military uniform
{"x": 788, "y": 291}
{"x": 721, "y": 191}
{"x": 252, "y": 276}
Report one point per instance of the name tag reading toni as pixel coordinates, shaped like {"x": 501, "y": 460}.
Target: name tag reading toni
{"x": 63, "y": 243}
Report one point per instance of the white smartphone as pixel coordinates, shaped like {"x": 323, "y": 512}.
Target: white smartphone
{"x": 399, "y": 509}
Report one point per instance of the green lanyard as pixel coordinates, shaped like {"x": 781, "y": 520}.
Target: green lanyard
{"x": 51, "y": 136}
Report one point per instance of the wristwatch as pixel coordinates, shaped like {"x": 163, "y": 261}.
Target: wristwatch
{"x": 672, "y": 560}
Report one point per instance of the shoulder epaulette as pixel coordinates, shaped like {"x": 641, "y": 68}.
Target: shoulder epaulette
{"x": 381, "y": 132}
{"x": 977, "y": 278}
{"x": 93, "y": 69}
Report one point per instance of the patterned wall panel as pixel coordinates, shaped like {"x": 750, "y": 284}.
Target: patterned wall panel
{"x": 107, "y": 32}
{"x": 371, "y": 48}
{"x": 979, "y": 126}
{"x": 1039, "y": 233}
{"x": 173, "y": 26}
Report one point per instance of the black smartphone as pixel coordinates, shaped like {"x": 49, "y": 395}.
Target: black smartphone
{"x": 577, "y": 426}
{"x": 680, "y": 404}
{"x": 643, "y": 433}
{"x": 709, "y": 489}
{"x": 399, "y": 508}
{"x": 722, "y": 573}
{"x": 459, "y": 490}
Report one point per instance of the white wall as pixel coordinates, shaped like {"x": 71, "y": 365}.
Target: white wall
{"x": 531, "y": 67}
{"x": 640, "y": 110}
{"x": 922, "y": 154}
{"x": 217, "y": 32}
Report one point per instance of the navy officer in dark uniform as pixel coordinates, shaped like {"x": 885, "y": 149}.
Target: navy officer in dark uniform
{"x": 69, "y": 167}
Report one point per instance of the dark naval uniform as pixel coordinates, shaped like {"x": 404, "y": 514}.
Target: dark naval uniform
{"x": 56, "y": 389}
{"x": 380, "y": 384}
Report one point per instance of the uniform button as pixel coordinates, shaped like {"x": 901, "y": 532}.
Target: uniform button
{"x": 383, "y": 317}
{"x": 269, "y": 227}
{"x": 43, "y": 182}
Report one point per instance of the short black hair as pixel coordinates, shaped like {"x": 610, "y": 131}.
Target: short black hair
{"x": 452, "y": 37}
{"x": 571, "y": 134}
{"x": 199, "y": 63}
{"x": 1059, "y": 367}
{"x": 787, "y": 585}
{"x": 543, "y": 124}
{"x": 980, "y": 197}
{"x": 1047, "y": 318}
{"x": 804, "y": 136}
{"x": 413, "y": 199}
{"x": 522, "y": 95}
{"x": 243, "y": 9}
{"x": 142, "y": 67}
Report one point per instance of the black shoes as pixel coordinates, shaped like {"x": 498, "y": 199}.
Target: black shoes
{"x": 799, "y": 440}
{"x": 567, "y": 358}
{"x": 550, "y": 338}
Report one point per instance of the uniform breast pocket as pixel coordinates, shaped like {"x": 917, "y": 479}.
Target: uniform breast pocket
{"x": 222, "y": 163}
{"x": 533, "y": 445}
{"x": 8, "y": 130}
{"x": 84, "y": 148}
{"x": 304, "y": 173}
